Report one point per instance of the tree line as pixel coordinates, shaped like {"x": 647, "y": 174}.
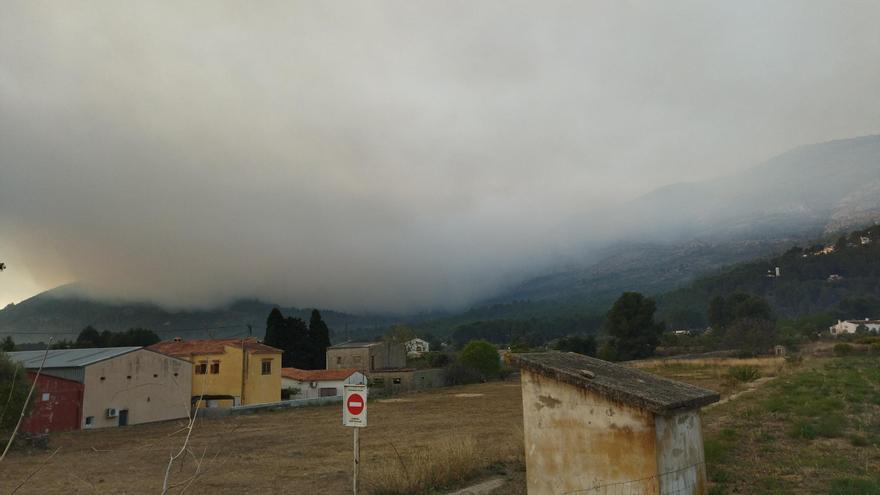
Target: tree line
{"x": 303, "y": 346}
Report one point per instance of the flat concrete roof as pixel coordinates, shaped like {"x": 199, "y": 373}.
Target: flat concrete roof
{"x": 617, "y": 382}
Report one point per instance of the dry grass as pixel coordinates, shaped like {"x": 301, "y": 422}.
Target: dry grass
{"x": 712, "y": 373}
{"x": 449, "y": 462}
{"x": 296, "y": 451}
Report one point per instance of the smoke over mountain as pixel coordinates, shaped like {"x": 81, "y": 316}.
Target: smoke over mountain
{"x": 388, "y": 155}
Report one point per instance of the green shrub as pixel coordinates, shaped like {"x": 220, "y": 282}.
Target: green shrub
{"x": 794, "y": 360}
{"x": 481, "y": 356}
{"x": 855, "y": 486}
{"x": 744, "y": 373}
{"x": 859, "y": 441}
{"x": 843, "y": 349}
{"x": 437, "y": 359}
{"x": 14, "y": 388}
{"x": 459, "y": 374}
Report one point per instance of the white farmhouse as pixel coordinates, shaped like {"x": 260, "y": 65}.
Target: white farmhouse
{"x": 319, "y": 383}
{"x": 416, "y": 347}
{"x": 850, "y": 326}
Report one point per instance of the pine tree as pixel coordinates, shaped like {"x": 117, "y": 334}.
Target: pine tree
{"x": 630, "y": 323}
{"x": 319, "y": 339}
{"x": 274, "y": 327}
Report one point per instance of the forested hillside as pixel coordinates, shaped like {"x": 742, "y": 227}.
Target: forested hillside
{"x": 841, "y": 278}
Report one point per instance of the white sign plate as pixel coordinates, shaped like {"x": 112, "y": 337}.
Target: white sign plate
{"x": 354, "y": 406}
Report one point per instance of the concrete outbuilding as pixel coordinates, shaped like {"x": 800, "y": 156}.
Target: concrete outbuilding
{"x": 112, "y": 386}
{"x": 366, "y": 356}
{"x": 597, "y": 427}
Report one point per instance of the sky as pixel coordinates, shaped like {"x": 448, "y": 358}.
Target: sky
{"x": 385, "y": 155}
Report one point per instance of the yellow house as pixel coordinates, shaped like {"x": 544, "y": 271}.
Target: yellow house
{"x": 229, "y": 372}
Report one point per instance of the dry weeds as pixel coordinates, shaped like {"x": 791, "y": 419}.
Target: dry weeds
{"x": 295, "y": 451}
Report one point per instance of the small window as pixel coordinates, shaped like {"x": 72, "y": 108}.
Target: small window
{"x": 175, "y": 373}
{"x": 103, "y": 378}
{"x": 338, "y": 359}
{"x": 90, "y": 420}
{"x": 396, "y": 381}
{"x": 378, "y": 381}
{"x": 201, "y": 368}
{"x": 157, "y": 376}
{"x": 128, "y": 377}
{"x": 267, "y": 367}
{"x": 215, "y": 367}
{"x": 45, "y": 396}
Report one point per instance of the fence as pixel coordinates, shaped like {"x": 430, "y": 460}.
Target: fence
{"x": 683, "y": 481}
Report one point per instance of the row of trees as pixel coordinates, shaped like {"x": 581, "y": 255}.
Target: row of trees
{"x": 303, "y": 347}
{"x": 90, "y": 337}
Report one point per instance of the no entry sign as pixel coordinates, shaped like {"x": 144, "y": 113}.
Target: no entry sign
{"x": 354, "y": 406}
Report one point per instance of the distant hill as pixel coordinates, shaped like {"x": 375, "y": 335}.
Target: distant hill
{"x": 655, "y": 244}
{"x": 62, "y": 313}
{"x": 844, "y": 283}
{"x": 670, "y": 236}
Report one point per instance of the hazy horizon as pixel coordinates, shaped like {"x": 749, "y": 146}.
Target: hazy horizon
{"x": 390, "y": 155}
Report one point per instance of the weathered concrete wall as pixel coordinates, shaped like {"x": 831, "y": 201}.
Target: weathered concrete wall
{"x": 151, "y": 386}
{"x": 367, "y": 358}
{"x": 680, "y": 454}
{"x": 578, "y": 440}
{"x": 395, "y": 381}
{"x": 349, "y": 357}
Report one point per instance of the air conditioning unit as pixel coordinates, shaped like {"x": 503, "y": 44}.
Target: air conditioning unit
{"x": 112, "y": 412}
{"x": 313, "y": 384}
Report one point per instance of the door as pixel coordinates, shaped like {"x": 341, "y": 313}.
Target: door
{"x": 123, "y": 417}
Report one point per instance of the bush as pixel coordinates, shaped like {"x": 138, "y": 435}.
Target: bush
{"x": 459, "y": 374}
{"x": 794, "y": 360}
{"x": 744, "y": 373}
{"x": 289, "y": 393}
{"x": 481, "y": 356}
{"x": 843, "y": 349}
{"x": 14, "y": 388}
{"x": 437, "y": 359}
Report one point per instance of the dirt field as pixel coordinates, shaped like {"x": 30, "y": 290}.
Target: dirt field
{"x": 814, "y": 428}
{"x": 296, "y": 451}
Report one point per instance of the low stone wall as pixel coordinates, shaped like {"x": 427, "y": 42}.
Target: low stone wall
{"x": 222, "y": 412}
{"x": 389, "y": 382}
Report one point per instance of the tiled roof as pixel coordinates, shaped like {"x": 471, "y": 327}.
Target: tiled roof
{"x": 68, "y": 358}
{"x": 211, "y": 346}
{"x": 617, "y": 382}
{"x": 317, "y": 375}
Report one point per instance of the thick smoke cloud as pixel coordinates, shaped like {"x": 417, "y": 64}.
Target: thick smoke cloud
{"x": 385, "y": 155}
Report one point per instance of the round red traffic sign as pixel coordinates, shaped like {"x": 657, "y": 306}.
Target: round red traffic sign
{"x": 355, "y": 404}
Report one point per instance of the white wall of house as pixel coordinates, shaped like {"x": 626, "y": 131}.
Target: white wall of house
{"x": 311, "y": 390}
{"x": 416, "y": 347}
{"x": 850, "y": 326}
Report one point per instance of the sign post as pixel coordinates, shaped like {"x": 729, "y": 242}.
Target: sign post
{"x": 354, "y": 415}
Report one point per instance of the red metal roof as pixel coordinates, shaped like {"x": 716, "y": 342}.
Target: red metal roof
{"x": 211, "y": 346}
{"x": 317, "y": 375}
